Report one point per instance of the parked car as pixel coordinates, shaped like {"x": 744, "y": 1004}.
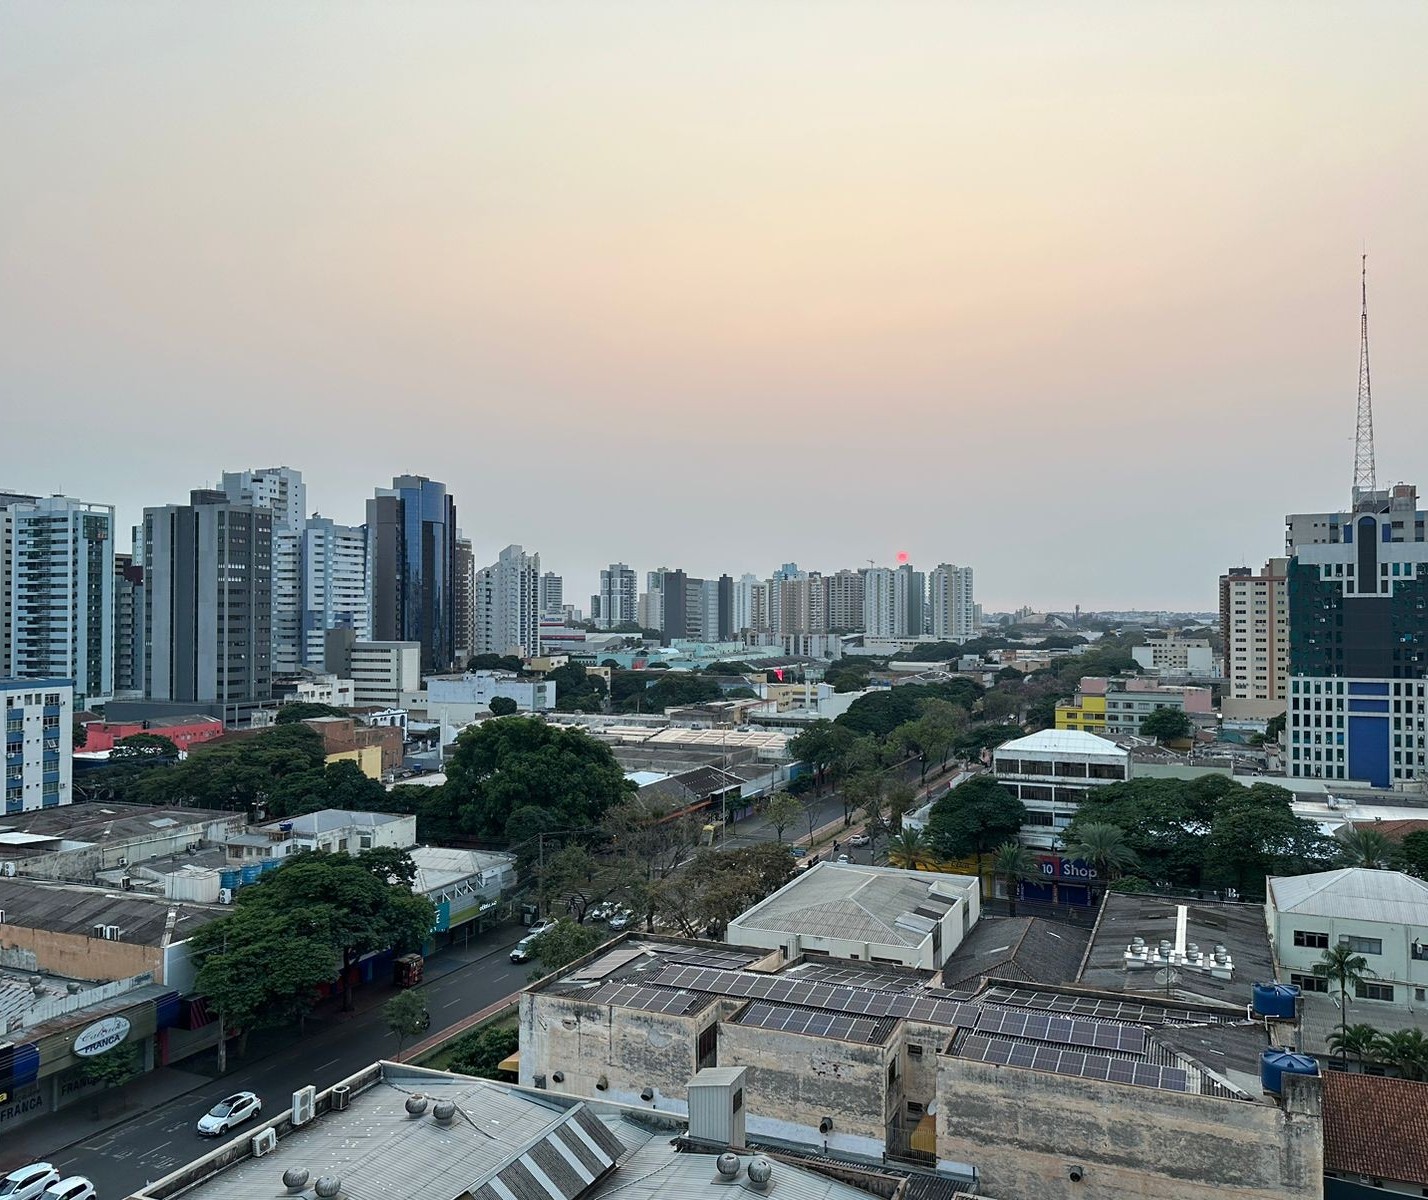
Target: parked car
{"x": 797, "y": 851}
{"x": 521, "y": 951}
{"x": 76, "y": 1187}
{"x": 621, "y": 918}
{"x": 842, "y": 858}
{"x": 229, "y": 1113}
{"x": 602, "y": 911}
{"x": 860, "y": 839}
{"x": 542, "y": 925}
{"x": 28, "y": 1183}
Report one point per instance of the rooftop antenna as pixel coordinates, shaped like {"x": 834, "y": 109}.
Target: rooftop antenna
{"x": 1365, "y": 480}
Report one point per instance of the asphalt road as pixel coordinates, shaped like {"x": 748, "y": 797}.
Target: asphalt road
{"x": 459, "y": 982}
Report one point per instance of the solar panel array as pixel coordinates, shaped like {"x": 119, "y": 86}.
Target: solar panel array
{"x": 647, "y": 999}
{"x": 856, "y": 1001}
{"x": 1065, "y": 1031}
{"x": 849, "y": 977}
{"x": 1090, "y": 1006}
{"x": 814, "y": 1022}
{"x": 1073, "y": 1062}
{"x": 730, "y": 960}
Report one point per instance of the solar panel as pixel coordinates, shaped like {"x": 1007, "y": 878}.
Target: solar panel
{"x": 850, "y": 977}
{"x": 813, "y": 1022}
{"x": 1066, "y": 1031}
{"x": 1076, "y": 1063}
{"x": 1093, "y": 1006}
{"x": 648, "y": 999}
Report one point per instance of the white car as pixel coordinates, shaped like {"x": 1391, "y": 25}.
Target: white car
{"x": 860, "y": 839}
{"x": 229, "y": 1113}
{"x": 521, "y": 951}
{"x": 28, "y": 1183}
{"x": 542, "y": 925}
{"x": 76, "y": 1187}
{"x": 620, "y": 919}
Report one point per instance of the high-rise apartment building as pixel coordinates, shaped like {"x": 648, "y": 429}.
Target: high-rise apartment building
{"x": 39, "y": 746}
{"x": 950, "y": 597}
{"x": 208, "y": 601}
{"x": 334, "y": 585}
{"x": 411, "y": 547}
{"x": 1254, "y": 622}
{"x": 281, "y": 491}
{"x": 675, "y": 596}
{"x": 7, "y": 501}
{"x": 910, "y": 601}
{"x": 618, "y": 596}
{"x": 508, "y": 604}
{"x": 797, "y": 604}
{"x": 1358, "y": 641}
{"x": 880, "y": 607}
{"x": 844, "y": 600}
{"x": 278, "y": 489}
{"x": 463, "y": 600}
{"x": 61, "y": 595}
{"x": 749, "y": 609}
{"x": 552, "y": 596}
{"x": 724, "y": 608}
{"x": 128, "y": 626}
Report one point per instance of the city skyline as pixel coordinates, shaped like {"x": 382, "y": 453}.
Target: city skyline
{"x": 981, "y": 287}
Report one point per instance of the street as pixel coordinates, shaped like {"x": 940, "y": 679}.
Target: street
{"x": 155, "y": 1141}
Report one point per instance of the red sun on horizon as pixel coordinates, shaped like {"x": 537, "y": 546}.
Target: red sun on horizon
{"x": 902, "y": 557}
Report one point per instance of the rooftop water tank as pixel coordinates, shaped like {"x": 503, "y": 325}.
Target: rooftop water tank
{"x": 251, "y": 871}
{"x": 1277, "y": 1000}
{"x": 1275, "y": 1064}
{"x": 230, "y": 879}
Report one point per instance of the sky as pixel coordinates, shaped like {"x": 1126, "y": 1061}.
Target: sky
{"x": 1067, "y": 293}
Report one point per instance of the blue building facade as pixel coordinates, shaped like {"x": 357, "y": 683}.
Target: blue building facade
{"x": 39, "y": 745}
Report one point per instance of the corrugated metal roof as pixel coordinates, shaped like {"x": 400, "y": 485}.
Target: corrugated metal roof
{"x": 1062, "y": 741}
{"x": 1353, "y": 893}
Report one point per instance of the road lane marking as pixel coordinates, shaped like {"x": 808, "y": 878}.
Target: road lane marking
{"x": 155, "y": 1149}
{"x": 333, "y": 1063}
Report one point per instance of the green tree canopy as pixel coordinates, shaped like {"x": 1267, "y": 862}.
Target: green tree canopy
{"x": 141, "y": 746}
{"x": 782, "y": 811}
{"x": 576, "y": 690}
{"x": 880, "y": 712}
{"x": 337, "y": 785}
{"x": 670, "y": 689}
{"x": 504, "y": 706}
{"x": 306, "y": 710}
{"x": 496, "y": 662}
{"x": 563, "y": 943}
{"x": 720, "y": 884}
{"x": 1413, "y": 853}
{"x": 1167, "y": 724}
{"x": 232, "y": 773}
{"x": 407, "y": 1016}
{"x": 481, "y": 1052}
{"x": 1013, "y": 865}
{"x": 974, "y": 818}
{"x": 1365, "y": 846}
{"x": 517, "y": 763}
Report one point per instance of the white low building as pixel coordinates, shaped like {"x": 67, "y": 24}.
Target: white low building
{"x": 1382, "y": 915}
{"x": 869, "y": 914}
{"x": 463, "y": 697}
{"x": 337, "y": 830}
{"x": 1050, "y": 771}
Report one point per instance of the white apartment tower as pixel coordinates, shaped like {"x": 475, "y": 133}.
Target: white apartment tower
{"x": 334, "y": 585}
{"x": 953, "y": 613}
{"x": 844, "y": 603}
{"x": 552, "y": 595}
{"x": 619, "y": 597}
{"x": 59, "y": 579}
{"x": 508, "y": 604}
{"x": 39, "y": 750}
{"x": 880, "y": 607}
{"x": 1254, "y": 621}
{"x": 281, "y": 491}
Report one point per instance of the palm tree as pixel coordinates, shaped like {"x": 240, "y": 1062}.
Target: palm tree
{"x": 1341, "y": 966}
{"x": 1013, "y": 864}
{"x": 1364, "y": 846}
{"x": 1406, "y": 1050}
{"x": 1361, "y": 1041}
{"x": 909, "y": 849}
{"x": 1105, "y": 848}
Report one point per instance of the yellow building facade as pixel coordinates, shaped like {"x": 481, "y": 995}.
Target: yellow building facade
{"x": 1086, "y": 713}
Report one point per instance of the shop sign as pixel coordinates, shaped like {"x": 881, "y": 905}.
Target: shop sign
{"x": 101, "y": 1036}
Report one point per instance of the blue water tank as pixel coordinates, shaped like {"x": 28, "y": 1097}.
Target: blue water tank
{"x": 1275, "y": 1064}
{"x": 230, "y": 879}
{"x": 271, "y": 864}
{"x": 1278, "y": 1000}
{"x": 285, "y": 826}
{"x": 251, "y": 871}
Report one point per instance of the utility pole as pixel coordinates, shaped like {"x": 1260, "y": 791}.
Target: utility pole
{"x": 1365, "y": 476}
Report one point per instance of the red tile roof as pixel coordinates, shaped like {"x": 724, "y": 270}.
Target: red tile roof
{"x": 1376, "y": 1126}
{"x": 1394, "y": 830}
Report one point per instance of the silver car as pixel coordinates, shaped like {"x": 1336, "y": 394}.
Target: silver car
{"x": 28, "y": 1183}
{"x": 229, "y": 1113}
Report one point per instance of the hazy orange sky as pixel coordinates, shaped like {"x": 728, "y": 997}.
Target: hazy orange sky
{"x": 1067, "y": 292}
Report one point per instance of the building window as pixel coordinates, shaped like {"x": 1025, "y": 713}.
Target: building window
{"x": 1309, "y": 983}
{"x": 1311, "y": 939}
{"x": 709, "y": 1047}
{"x": 1361, "y": 945}
{"x": 915, "y": 1051}
{"x": 1374, "y": 991}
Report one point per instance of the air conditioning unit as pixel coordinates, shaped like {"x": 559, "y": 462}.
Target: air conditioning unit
{"x": 192, "y": 847}
{"x": 126, "y": 883}
{"x": 123, "y": 862}
{"x": 265, "y": 1141}
{"x": 225, "y": 895}
{"x": 7, "y": 869}
{"x": 341, "y": 1096}
{"x": 304, "y": 1105}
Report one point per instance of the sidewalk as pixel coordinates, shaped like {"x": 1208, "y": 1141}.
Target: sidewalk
{"x": 52, "y": 1134}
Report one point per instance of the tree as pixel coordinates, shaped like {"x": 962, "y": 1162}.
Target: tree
{"x": 909, "y": 849}
{"x": 1274, "y": 728}
{"x": 1413, "y": 853}
{"x": 114, "y": 1068}
{"x": 504, "y": 767}
{"x": 1359, "y": 1041}
{"x": 142, "y": 746}
{"x": 338, "y": 785}
{"x": 1104, "y": 848}
{"x": 563, "y": 943}
{"x": 1013, "y": 865}
{"x": 1406, "y": 1051}
{"x": 781, "y": 812}
{"x": 1342, "y": 967}
{"x": 1364, "y": 846}
{"x": 718, "y": 885}
{"x": 820, "y": 745}
{"x": 999, "y": 705}
{"x": 1167, "y": 725}
{"x": 406, "y": 1016}
{"x": 504, "y": 706}
{"x": 304, "y": 710}
{"x": 576, "y": 690}
{"x": 234, "y": 774}
{"x": 579, "y": 879}
{"x": 496, "y": 662}
{"x": 974, "y": 818}
{"x": 481, "y": 1052}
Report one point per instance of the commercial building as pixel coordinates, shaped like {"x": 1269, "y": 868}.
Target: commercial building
{"x": 1358, "y": 652}
{"x": 508, "y": 604}
{"x": 183, "y": 732}
{"x": 619, "y": 598}
{"x": 411, "y": 547}
{"x": 865, "y": 914}
{"x": 334, "y": 585}
{"x": 1174, "y": 654}
{"x": 1254, "y": 623}
{"x": 338, "y": 831}
{"x": 1050, "y": 771}
{"x": 208, "y": 601}
{"x": 1382, "y": 915}
{"x": 39, "y": 745}
{"x": 1375, "y": 1136}
{"x": 462, "y": 697}
{"x": 376, "y": 749}
{"x": 462, "y": 885}
{"x": 1120, "y": 706}
{"x": 60, "y": 583}
{"x": 1012, "y": 1089}
{"x": 951, "y": 603}
{"x": 381, "y": 672}
{"x": 281, "y": 491}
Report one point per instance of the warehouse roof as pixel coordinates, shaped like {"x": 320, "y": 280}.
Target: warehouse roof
{"x": 1062, "y": 741}
{"x": 65, "y": 908}
{"x": 1353, "y": 893}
